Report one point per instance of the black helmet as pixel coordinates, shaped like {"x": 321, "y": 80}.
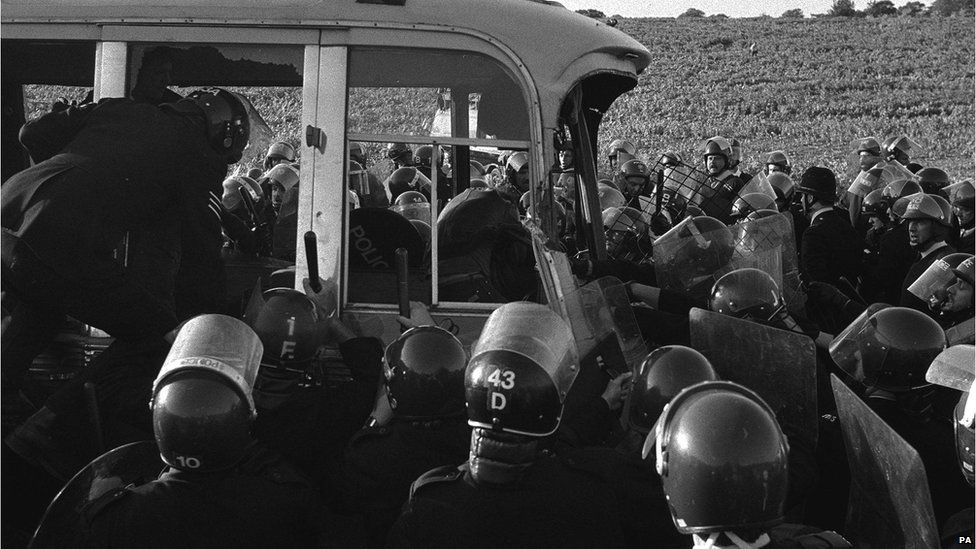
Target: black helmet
{"x": 890, "y": 348}
{"x": 664, "y": 373}
{"x": 201, "y": 400}
{"x": 746, "y": 293}
{"x": 425, "y": 374}
{"x": 875, "y": 205}
{"x": 399, "y": 152}
{"x": 963, "y": 420}
{"x": 412, "y": 205}
{"x": 750, "y": 202}
{"x": 819, "y": 182}
{"x": 932, "y": 180}
{"x": 406, "y": 179}
{"x": 228, "y": 123}
{"x": 627, "y": 234}
{"x": 722, "y": 458}
{"x": 284, "y": 320}
{"x": 424, "y": 154}
{"x": 520, "y": 371}
{"x": 898, "y": 189}
{"x": 719, "y": 146}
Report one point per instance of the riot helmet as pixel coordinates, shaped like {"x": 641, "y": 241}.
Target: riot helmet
{"x": 399, "y": 153}
{"x": 932, "y": 207}
{"x": 406, "y": 179}
{"x": 932, "y": 180}
{"x": 898, "y": 189}
{"x": 201, "y": 403}
{"x": 875, "y": 205}
{"x": 783, "y": 186}
{"x": 746, "y": 293}
{"x": 633, "y": 176}
{"x": 722, "y": 457}
{"x": 750, "y": 202}
{"x": 521, "y": 370}
{"x": 900, "y": 148}
{"x": 932, "y": 286}
{"x": 960, "y": 293}
{"x": 963, "y": 420}
{"x": 424, "y": 155}
{"x": 889, "y": 348}
{"x": 282, "y": 151}
{"x": 953, "y": 368}
{"x": 424, "y": 370}
{"x": 609, "y": 196}
{"x": 282, "y": 178}
{"x": 618, "y": 146}
{"x": 517, "y": 171}
{"x": 962, "y": 195}
{"x": 778, "y": 162}
{"x": 670, "y": 159}
{"x": 227, "y": 120}
{"x": 357, "y": 152}
{"x": 627, "y": 234}
{"x": 719, "y": 147}
{"x": 664, "y": 373}
{"x": 412, "y": 205}
{"x": 868, "y": 145}
{"x": 231, "y": 198}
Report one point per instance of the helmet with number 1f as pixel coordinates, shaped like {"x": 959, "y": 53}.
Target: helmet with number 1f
{"x": 202, "y": 406}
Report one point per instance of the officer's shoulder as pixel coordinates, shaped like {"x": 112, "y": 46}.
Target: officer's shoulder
{"x": 439, "y": 476}
{"x": 369, "y": 434}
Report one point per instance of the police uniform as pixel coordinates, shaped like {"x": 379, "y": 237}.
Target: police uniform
{"x": 895, "y": 258}
{"x": 313, "y": 426}
{"x": 830, "y": 249}
{"x": 910, "y": 300}
{"x": 556, "y": 504}
{"x": 261, "y": 502}
{"x": 380, "y": 463}
{"x": 103, "y": 169}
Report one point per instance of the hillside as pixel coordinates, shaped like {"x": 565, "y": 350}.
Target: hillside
{"x": 815, "y": 85}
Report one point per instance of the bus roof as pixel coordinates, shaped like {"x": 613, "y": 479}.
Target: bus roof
{"x": 546, "y": 37}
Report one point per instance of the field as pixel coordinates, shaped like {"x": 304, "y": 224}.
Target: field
{"x": 815, "y": 85}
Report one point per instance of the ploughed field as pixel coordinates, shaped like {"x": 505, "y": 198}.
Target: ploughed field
{"x": 815, "y": 85}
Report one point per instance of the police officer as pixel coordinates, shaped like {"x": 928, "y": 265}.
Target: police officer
{"x": 221, "y": 487}
{"x": 633, "y": 178}
{"x": 738, "y": 498}
{"x": 614, "y": 149}
{"x": 946, "y": 287}
{"x": 373, "y": 192}
{"x": 511, "y": 491}
{"x": 872, "y": 165}
{"x": 928, "y": 218}
{"x": 875, "y": 210}
{"x": 895, "y": 252}
{"x": 400, "y": 154}
{"x": 301, "y": 415}
{"x": 830, "y": 249}
{"x": 723, "y": 188}
{"x": 778, "y": 162}
{"x": 963, "y": 204}
{"x": 933, "y": 181}
{"x": 888, "y": 352}
{"x": 424, "y": 381}
{"x": 63, "y": 216}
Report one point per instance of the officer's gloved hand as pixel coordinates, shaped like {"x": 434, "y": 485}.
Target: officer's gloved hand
{"x": 419, "y": 316}
{"x": 325, "y": 299}
{"x": 617, "y": 391}
{"x": 827, "y": 294}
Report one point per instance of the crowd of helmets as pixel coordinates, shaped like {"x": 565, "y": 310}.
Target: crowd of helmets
{"x": 720, "y": 458}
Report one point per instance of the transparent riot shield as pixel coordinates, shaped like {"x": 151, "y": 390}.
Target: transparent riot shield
{"x": 955, "y": 367}
{"x": 759, "y": 184}
{"x": 65, "y": 523}
{"x": 768, "y": 244}
{"x": 554, "y": 270}
{"x": 779, "y": 365}
{"x": 692, "y": 255}
{"x": 889, "y": 502}
{"x": 602, "y": 320}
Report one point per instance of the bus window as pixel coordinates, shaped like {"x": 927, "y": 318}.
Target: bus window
{"x": 435, "y": 125}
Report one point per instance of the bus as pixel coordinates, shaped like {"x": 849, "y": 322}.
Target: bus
{"x": 499, "y": 77}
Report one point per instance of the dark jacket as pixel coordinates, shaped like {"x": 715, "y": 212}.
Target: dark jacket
{"x": 895, "y": 256}
{"x": 261, "y": 502}
{"x": 830, "y": 249}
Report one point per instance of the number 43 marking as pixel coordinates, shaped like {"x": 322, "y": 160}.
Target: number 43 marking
{"x": 502, "y": 378}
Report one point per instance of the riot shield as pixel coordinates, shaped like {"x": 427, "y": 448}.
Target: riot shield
{"x": 768, "y": 244}
{"x": 779, "y": 365}
{"x": 554, "y": 270}
{"x": 889, "y": 503}
{"x": 692, "y": 255}
{"x": 759, "y": 184}
{"x": 598, "y": 310}
{"x": 65, "y": 523}
{"x": 845, "y": 348}
{"x": 954, "y": 368}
